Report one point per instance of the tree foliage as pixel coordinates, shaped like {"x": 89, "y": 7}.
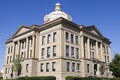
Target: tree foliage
{"x": 17, "y": 66}
{"x": 102, "y": 69}
{"x": 115, "y": 66}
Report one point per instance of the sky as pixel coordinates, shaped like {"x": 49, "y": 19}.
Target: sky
{"x": 104, "y": 14}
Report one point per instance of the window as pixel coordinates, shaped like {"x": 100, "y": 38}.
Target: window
{"x": 73, "y": 67}
{"x": 43, "y": 39}
{"x": 22, "y": 55}
{"x": 47, "y": 67}
{"x": 48, "y": 52}
{"x": 11, "y": 49}
{"x": 8, "y": 50}
{"x": 67, "y": 51}
{"x": 72, "y": 52}
{"x": 53, "y": 66}
{"x": 41, "y": 67}
{"x": 78, "y": 67}
{"x": 67, "y": 36}
{"x": 7, "y": 59}
{"x": 68, "y": 66}
{"x": 72, "y": 39}
{"x": 77, "y": 53}
{"x": 27, "y": 66}
{"x": 88, "y": 68}
{"x": 30, "y": 53}
{"x": 105, "y": 59}
{"x": 48, "y": 38}
{"x": 54, "y": 51}
{"x": 54, "y": 37}
{"x": 42, "y": 53}
{"x": 76, "y": 39}
{"x": 93, "y": 55}
{"x": 5, "y": 70}
{"x": 108, "y": 58}
{"x": 10, "y": 58}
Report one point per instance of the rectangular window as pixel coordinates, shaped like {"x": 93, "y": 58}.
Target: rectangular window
{"x": 88, "y": 68}
{"x": 77, "y": 53}
{"x": 67, "y": 66}
{"x": 53, "y": 66}
{"x": 67, "y": 36}
{"x": 78, "y": 67}
{"x": 10, "y": 58}
{"x": 73, "y": 67}
{"x": 54, "y": 51}
{"x": 49, "y": 36}
{"x": 67, "y": 51}
{"x": 43, "y": 39}
{"x": 54, "y": 37}
{"x": 11, "y": 49}
{"x": 48, "y": 52}
{"x": 27, "y": 66}
{"x": 41, "y": 67}
{"x": 30, "y": 53}
{"x": 77, "y": 40}
{"x": 105, "y": 59}
{"x": 72, "y": 39}
{"x": 5, "y": 70}
{"x": 72, "y": 52}
{"x": 108, "y": 58}
{"x": 7, "y": 59}
{"x": 8, "y": 50}
{"x": 42, "y": 53}
{"x": 47, "y": 67}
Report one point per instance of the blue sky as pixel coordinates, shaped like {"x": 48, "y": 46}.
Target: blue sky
{"x": 105, "y": 14}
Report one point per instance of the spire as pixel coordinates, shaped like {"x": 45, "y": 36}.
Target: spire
{"x": 58, "y": 7}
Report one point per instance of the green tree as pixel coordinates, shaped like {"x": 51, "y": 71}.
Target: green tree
{"x": 114, "y": 66}
{"x": 102, "y": 68}
{"x": 17, "y": 66}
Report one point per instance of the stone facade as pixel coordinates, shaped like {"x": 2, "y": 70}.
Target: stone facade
{"x": 58, "y": 48}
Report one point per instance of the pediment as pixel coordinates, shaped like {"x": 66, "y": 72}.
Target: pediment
{"x": 94, "y": 31}
{"x": 21, "y": 30}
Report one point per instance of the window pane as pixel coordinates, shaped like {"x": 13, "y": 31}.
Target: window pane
{"x": 47, "y": 67}
{"x": 67, "y": 51}
{"x": 72, "y": 52}
{"x": 54, "y": 37}
{"x": 42, "y": 55}
{"x": 67, "y": 36}
{"x": 76, "y": 39}
{"x": 49, "y": 38}
{"x": 48, "y": 52}
{"x": 67, "y": 66}
{"x": 72, "y": 39}
{"x": 54, "y": 50}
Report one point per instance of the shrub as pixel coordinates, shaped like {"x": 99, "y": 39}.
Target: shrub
{"x": 35, "y": 78}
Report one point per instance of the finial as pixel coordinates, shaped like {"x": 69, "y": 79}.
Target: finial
{"x": 58, "y": 6}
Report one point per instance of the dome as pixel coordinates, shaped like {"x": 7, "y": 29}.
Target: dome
{"x": 56, "y": 14}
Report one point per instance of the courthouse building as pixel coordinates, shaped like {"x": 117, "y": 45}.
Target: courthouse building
{"x": 59, "y": 47}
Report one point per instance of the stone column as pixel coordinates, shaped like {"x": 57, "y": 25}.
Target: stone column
{"x": 88, "y": 48}
{"x": 109, "y": 53}
{"x": 27, "y": 47}
{"x": 13, "y": 51}
{"x": 33, "y": 46}
{"x": 96, "y": 49}
{"x": 101, "y": 51}
{"x": 18, "y": 48}
{"x": 82, "y": 46}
